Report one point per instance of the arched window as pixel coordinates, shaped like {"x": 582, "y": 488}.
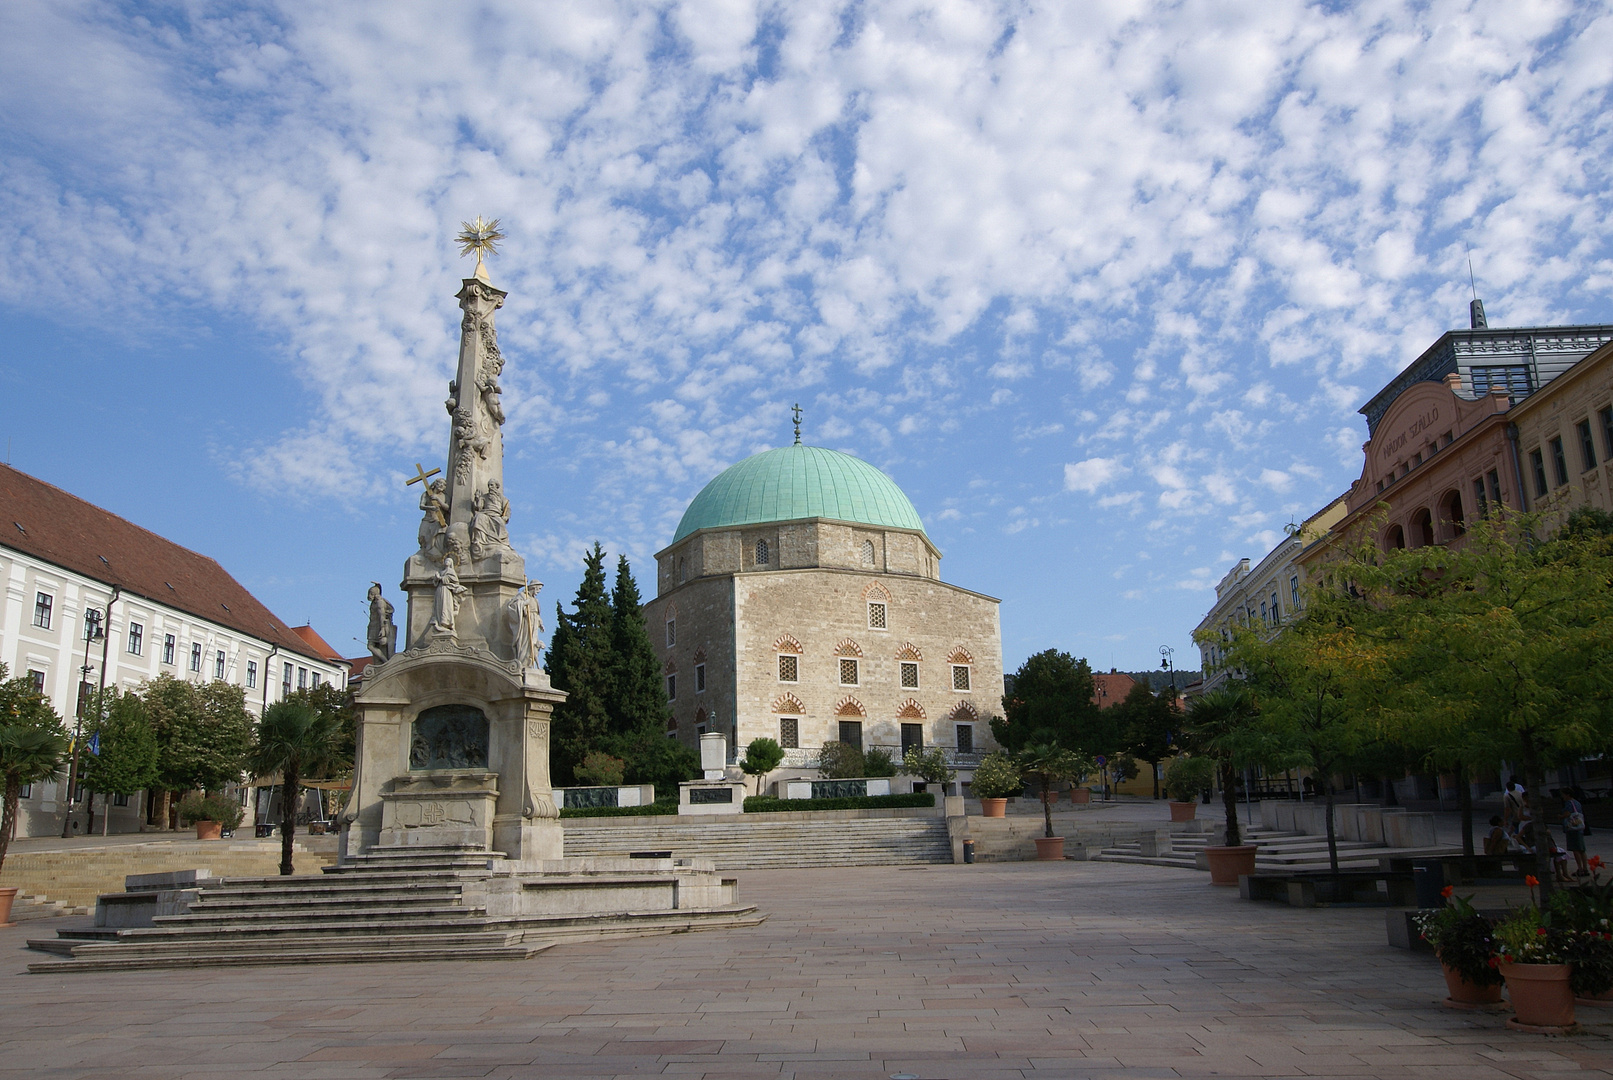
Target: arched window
{"x": 761, "y": 553}
{"x": 1394, "y": 539}
{"x": 1422, "y": 528}
{"x": 1450, "y": 513}
{"x": 868, "y": 553}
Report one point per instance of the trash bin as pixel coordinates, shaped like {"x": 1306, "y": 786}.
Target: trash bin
{"x": 968, "y": 851}
{"x": 1428, "y": 879}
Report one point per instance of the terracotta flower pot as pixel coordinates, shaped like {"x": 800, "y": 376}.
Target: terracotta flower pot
{"x": 208, "y": 830}
{"x": 7, "y": 895}
{"x": 1080, "y": 795}
{"x": 1050, "y": 848}
{"x": 1464, "y": 994}
{"x": 993, "y": 807}
{"x": 1226, "y": 863}
{"x": 1541, "y": 998}
{"x": 1184, "y": 811}
{"x": 1603, "y": 1000}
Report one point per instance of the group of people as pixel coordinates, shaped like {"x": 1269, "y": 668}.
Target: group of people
{"x": 1515, "y": 830}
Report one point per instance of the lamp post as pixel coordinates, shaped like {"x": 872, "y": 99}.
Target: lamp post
{"x": 93, "y": 632}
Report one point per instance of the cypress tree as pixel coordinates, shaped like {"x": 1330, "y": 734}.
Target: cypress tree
{"x": 638, "y": 698}
{"x": 585, "y": 668}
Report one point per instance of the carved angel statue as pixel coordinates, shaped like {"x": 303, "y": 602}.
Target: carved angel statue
{"x": 471, "y": 440}
{"x": 524, "y": 616}
{"x": 382, "y": 637}
{"x": 488, "y": 524}
{"x": 490, "y": 397}
{"x": 449, "y": 590}
{"x": 434, "y": 505}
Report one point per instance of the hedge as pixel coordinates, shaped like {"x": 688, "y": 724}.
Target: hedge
{"x": 766, "y": 804}
{"x": 654, "y": 809}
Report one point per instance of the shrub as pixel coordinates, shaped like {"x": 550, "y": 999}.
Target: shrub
{"x": 878, "y": 762}
{"x": 840, "y": 761}
{"x": 655, "y": 809}
{"x": 929, "y": 765}
{"x": 197, "y": 807}
{"x": 601, "y": 769}
{"x": 996, "y": 777}
{"x": 766, "y": 804}
{"x": 762, "y": 756}
{"x": 1187, "y": 777}
{"x": 1586, "y": 911}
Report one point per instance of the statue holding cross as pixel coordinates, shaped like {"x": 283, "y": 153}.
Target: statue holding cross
{"x": 434, "y": 504}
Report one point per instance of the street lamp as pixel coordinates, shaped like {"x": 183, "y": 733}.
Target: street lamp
{"x": 93, "y": 632}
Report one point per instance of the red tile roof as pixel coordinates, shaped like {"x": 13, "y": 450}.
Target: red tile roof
{"x": 43, "y": 521}
{"x": 318, "y": 644}
{"x": 1111, "y": 687}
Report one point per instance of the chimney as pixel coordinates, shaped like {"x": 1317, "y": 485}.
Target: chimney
{"x": 1475, "y": 315}
{"x": 1453, "y": 382}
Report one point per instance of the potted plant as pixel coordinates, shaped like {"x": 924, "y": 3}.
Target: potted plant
{"x": 1185, "y": 778}
{"x": 1586, "y": 911}
{"x": 1536, "y": 960}
{"x": 930, "y": 766}
{"x": 211, "y": 814}
{"x": 1219, "y": 727}
{"x": 995, "y": 779}
{"x": 1045, "y": 764}
{"x": 1463, "y": 941}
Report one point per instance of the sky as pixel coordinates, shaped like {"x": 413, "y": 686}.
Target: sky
{"x": 1101, "y": 285}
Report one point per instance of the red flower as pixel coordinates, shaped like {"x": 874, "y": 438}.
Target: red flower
{"x": 1540, "y": 932}
{"x": 1446, "y": 891}
{"x": 1530, "y": 880}
{"x": 1494, "y": 961}
{"x": 1595, "y": 862}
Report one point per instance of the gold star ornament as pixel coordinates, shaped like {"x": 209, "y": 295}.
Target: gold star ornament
{"x": 479, "y": 236}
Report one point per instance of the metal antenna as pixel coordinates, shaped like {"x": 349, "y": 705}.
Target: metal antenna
{"x": 1470, "y": 279}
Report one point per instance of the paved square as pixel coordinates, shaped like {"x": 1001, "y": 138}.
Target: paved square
{"x": 1007, "y": 970}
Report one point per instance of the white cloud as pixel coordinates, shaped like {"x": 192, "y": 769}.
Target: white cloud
{"x": 1091, "y": 474}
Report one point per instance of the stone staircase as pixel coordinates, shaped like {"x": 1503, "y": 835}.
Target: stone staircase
{"x": 763, "y": 841}
{"x": 1279, "y": 852}
{"x": 75, "y": 877}
{"x": 392, "y": 905}
{"x": 29, "y": 906}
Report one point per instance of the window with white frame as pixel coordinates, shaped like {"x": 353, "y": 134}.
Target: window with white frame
{"x": 38, "y": 679}
{"x": 671, "y": 632}
{"x": 43, "y": 604}
{"x": 302, "y": 678}
{"x": 1276, "y": 612}
{"x": 137, "y": 638}
{"x": 314, "y": 680}
{"x": 218, "y": 664}
{"x": 789, "y": 732}
{"x": 168, "y": 644}
{"x": 960, "y": 676}
{"x": 196, "y": 656}
{"x": 251, "y": 673}
{"x": 909, "y": 675}
{"x": 672, "y": 687}
{"x": 1293, "y": 593}
{"x": 789, "y": 667}
{"x": 285, "y": 679}
{"x": 868, "y": 553}
{"x": 848, "y": 671}
{"x": 876, "y": 615}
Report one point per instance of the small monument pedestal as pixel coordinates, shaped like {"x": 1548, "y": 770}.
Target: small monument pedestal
{"x": 451, "y": 808}
{"x": 716, "y": 792}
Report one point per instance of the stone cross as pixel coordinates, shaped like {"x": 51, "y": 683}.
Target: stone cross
{"x": 421, "y": 477}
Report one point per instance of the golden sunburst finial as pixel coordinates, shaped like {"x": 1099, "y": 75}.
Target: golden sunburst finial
{"x": 479, "y": 236}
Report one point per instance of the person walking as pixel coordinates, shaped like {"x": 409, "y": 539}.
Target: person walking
{"x": 1574, "y": 830}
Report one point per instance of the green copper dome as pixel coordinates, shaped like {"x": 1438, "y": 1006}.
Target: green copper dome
{"x": 795, "y": 482}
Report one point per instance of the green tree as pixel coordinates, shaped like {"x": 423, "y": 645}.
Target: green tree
{"x": 33, "y": 746}
{"x": 638, "y": 699}
{"x": 762, "y": 756}
{"x": 840, "y": 761}
{"x": 1051, "y": 703}
{"x": 601, "y": 769}
{"x": 1220, "y": 726}
{"x": 126, "y": 759}
{"x": 1047, "y": 764}
{"x": 656, "y": 758}
{"x": 582, "y": 663}
{"x": 1151, "y": 722}
{"x": 299, "y": 743}
{"x": 203, "y": 732}
{"x": 929, "y": 765}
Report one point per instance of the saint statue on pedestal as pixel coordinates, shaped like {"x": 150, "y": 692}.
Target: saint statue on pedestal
{"x": 382, "y": 636}
{"x": 524, "y": 617}
{"x": 488, "y": 525}
{"x": 449, "y": 590}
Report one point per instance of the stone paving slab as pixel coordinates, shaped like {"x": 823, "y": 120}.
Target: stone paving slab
{"x": 989, "y": 972}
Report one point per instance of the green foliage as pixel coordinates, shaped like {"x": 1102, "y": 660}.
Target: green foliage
{"x": 929, "y": 765}
{"x": 1586, "y": 911}
{"x": 764, "y": 804}
{"x": 840, "y": 761}
{"x": 1523, "y": 936}
{"x": 762, "y": 756}
{"x": 598, "y": 767}
{"x": 203, "y": 732}
{"x": 581, "y": 661}
{"x": 653, "y": 757}
{"x": 878, "y": 762}
{"x": 1220, "y": 725}
{"x": 996, "y": 777}
{"x": 1463, "y": 939}
{"x": 127, "y": 761}
{"x": 655, "y": 809}
{"x": 220, "y": 808}
{"x": 637, "y": 699}
{"x": 33, "y": 745}
{"x": 1150, "y": 723}
{"x": 1186, "y": 777}
{"x": 1051, "y": 704}
{"x": 300, "y": 742}
{"x": 336, "y": 704}
{"x": 1047, "y": 764}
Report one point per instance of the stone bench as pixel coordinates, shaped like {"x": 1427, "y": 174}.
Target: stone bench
{"x": 145, "y": 896}
{"x": 1347, "y": 887}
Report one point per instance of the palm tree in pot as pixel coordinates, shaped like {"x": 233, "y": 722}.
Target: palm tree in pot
{"x": 1220, "y": 726}
{"x": 1045, "y": 765}
{"x": 297, "y": 742}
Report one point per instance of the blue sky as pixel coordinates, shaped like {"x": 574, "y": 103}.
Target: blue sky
{"x": 1100, "y": 284}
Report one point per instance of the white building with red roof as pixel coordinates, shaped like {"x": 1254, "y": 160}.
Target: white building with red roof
{"x": 162, "y": 608}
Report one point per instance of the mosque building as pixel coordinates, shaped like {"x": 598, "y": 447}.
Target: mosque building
{"x": 801, "y": 600}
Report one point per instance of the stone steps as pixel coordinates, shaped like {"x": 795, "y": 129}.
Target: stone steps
{"x": 760, "y": 844}
{"x": 1279, "y": 852}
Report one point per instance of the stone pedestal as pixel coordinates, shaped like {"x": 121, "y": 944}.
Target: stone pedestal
{"x": 711, "y": 797}
{"x": 440, "y": 808}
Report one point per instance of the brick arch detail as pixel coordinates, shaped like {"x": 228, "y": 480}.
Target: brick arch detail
{"x": 787, "y": 643}
{"x": 847, "y": 647}
{"x": 910, "y": 710}
{"x": 670, "y": 613}
{"x": 964, "y": 711}
{"x": 876, "y": 591}
{"x": 700, "y": 655}
{"x": 670, "y": 667}
{"x": 960, "y": 655}
{"x": 909, "y": 651}
{"x": 788, "y": 704}
{"x": 850, "y": 706}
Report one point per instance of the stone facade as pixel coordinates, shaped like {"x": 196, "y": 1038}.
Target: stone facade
{"x": 731, "y": 630}
{"x": 1573, "y": 416}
